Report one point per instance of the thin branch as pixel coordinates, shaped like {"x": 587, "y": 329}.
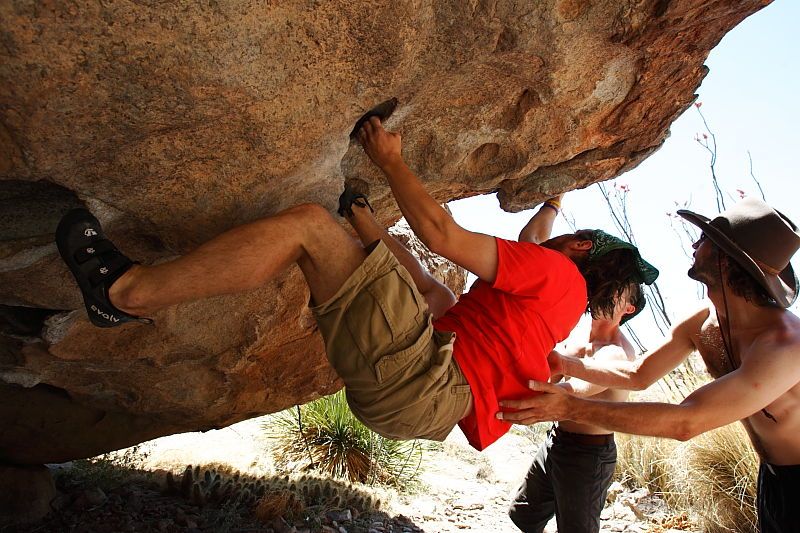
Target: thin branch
{"x": 611, "y": 209}
{"x": 618, "y": 209}
{"x": 570, "y": 219}
{"x": 712, "y": 150}
{"x": 632, "y": 334}
{"x": 655, "y": 313}
{"x": 680, "y": 239}
{"x": 656, "y": 291}
{"x": 758, "y": 183}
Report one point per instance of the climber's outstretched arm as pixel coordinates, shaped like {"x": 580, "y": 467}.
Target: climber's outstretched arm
{"x": 433, "y": 225}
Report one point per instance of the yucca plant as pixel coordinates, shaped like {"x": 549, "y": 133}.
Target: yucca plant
{"x": 325, "y": 436}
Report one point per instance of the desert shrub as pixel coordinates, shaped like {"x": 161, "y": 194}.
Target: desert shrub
{"x": 333, "y": 442}
{"x": 715, "y": 475}
{"x": 643, "y": 462}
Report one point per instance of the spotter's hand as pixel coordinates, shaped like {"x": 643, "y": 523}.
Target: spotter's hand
{"x": 552, "y": 404}
{"x": 382, "y": 146}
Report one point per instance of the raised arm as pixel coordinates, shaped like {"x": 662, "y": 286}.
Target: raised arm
{"x": 433, "y": 225}
{"x": 540, "y": 226}
{"x": 764, "y": 375}
{"x": 639, "y": 374}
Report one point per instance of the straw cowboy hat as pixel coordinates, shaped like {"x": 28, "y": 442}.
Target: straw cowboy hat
{"x": 759, "y": 238}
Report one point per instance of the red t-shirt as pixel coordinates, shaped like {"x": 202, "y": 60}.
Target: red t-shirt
{"x": 505, "y": 331}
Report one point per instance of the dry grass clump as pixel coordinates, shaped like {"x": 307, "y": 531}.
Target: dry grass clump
{"x": 277, "y": 504}
{"x": 712, "y": 476}
{"x": 715, "y": 475}
{"x": 644, "y": 462}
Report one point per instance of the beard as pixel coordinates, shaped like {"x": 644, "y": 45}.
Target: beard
{"x": 707, "y": 276}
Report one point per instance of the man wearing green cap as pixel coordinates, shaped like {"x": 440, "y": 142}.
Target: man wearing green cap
{"x": 750, "y": 344}
{"x": 573, "y": 468}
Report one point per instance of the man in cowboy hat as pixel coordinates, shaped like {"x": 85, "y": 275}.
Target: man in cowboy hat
{"x": 749, "y": 341}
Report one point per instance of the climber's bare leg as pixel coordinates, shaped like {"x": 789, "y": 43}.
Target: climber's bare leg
{"x": 438, "y": 296}
{"x": 244, "y": 258}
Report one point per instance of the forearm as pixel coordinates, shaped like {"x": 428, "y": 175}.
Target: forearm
{"x": 637, "y": 418}
{"x": 616, "y": 375}
{"x": 578, "y": 387}
{"x": 425, "y": 216}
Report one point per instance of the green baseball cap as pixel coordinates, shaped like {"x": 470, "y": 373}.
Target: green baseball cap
{"x": 602, "y": 243}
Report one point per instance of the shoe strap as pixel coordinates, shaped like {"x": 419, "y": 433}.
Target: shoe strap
{"x": 96, "y": 249}
{"x": 346, "y": 203}
{"x": 365, "y": 203}
{"x": 110, "y": 266}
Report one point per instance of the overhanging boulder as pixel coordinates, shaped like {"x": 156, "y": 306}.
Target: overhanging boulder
{"x": 174, "y": 122}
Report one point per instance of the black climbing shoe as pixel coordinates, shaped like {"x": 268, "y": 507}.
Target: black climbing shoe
{"x": 350, "y": 197}
{"x": 96, "y": 264}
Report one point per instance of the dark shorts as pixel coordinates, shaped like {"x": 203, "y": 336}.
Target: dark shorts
{"x": 400, "y": 377}
{"x": 779, "y": 498}
{"x": 568, "y": 479}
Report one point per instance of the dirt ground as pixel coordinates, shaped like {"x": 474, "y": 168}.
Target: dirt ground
{"x": 460, "y": 488}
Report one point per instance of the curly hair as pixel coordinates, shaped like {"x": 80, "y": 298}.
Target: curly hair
{"x": 742, "y": 284}
{"x": 636, "y": 296}
{"x": 607, "y": 277}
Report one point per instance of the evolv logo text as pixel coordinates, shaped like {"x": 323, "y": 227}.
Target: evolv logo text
{"x": 104, "y": 315}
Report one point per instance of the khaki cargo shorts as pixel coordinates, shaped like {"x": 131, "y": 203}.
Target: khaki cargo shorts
{"x": 400, "y": 376}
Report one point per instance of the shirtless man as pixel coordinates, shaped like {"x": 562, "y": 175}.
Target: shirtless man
{"x": 574, "y": 467}
{"x": 749, "y": 342}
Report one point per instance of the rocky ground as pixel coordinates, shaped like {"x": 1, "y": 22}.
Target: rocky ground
{"x": 459, "y": 489}
{"x": 468, "y": 490}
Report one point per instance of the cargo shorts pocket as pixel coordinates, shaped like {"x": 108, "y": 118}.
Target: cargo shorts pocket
{"x": 445, "y": 411}
{"x": 392, "y": 365}
{"x": 386, "y": 315}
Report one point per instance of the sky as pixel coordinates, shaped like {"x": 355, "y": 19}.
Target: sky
{"x": 750, "y": 101}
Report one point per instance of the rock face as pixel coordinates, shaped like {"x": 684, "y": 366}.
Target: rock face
{"x": 445, "y": 271}
{"x": 174, "y": 122}
{"x": 26, "y": 494}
